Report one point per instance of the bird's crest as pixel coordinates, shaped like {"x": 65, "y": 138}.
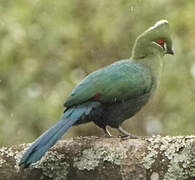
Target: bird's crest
{"x": 156, "y": 38}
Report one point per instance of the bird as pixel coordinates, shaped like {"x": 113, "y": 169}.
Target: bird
{"x": 111, "y": 94}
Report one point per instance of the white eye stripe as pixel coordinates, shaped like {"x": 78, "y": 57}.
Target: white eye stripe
{"x": 164, "y": 47}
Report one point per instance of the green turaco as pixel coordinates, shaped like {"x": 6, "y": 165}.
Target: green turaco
{"x": 112, "y": 94}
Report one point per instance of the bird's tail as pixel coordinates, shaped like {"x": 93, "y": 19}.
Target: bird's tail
{"x": 52, "y": 135}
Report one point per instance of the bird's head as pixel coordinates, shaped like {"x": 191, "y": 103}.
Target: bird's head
{"x": 154, "y": 41}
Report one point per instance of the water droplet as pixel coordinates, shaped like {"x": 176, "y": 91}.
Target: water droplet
{"x": 34, "y": 90}
{"x": 193, "y": 70}
{"x": 131, "y": 8}
{"x": 12, "y": 115}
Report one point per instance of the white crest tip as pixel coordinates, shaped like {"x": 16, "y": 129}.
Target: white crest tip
{"x": 157, "y": 24}
{"x": 161, "y": 22}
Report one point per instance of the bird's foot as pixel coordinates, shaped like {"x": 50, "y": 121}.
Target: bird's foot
{"x": 126, "y": 135}
{"x": 130, "y": 136}
{"x": 108, "y": 134}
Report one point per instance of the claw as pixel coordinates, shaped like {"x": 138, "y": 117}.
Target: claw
{"x": 126, "y": 135}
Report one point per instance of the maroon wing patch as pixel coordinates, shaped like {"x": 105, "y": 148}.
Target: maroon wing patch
{"x": 95, "y": 96}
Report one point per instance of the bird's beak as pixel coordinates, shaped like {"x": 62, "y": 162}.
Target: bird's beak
{"x": 170, "y": 51}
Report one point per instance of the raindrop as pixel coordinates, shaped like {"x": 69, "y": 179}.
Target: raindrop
{"x": 131, "y": 8}
{"x": 193, "y": 70}
{"x": 12, "y": 115}
{"x": 34, "y": 90}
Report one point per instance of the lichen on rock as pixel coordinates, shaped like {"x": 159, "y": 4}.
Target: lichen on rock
{"x": 53, "y": 165}
{"x": 178, "y": 151}
{"x": 100, "y": 152}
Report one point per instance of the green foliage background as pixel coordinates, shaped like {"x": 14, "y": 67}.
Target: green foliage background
{"x": 47, "y": 47}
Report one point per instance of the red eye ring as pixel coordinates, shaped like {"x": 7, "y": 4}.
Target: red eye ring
{"x": 161, "y": 42}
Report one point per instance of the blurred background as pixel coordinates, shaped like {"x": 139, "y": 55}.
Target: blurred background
{"x": 47, "y": 47}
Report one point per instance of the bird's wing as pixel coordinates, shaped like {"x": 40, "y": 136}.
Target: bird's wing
{"x": 117, "y": 82}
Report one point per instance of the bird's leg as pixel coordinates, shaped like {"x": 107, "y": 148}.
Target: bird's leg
{"x": 126, "y": 135}
{"x": 107, "y": 132}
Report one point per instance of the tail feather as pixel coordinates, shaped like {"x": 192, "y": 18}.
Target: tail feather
{"x": 52, "y": 135}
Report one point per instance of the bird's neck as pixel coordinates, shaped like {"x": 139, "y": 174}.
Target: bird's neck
{"x": 149, "y": 55}
{"x": 155, "y": 65}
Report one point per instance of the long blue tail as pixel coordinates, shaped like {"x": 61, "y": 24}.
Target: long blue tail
{"x": 52, "y": 135}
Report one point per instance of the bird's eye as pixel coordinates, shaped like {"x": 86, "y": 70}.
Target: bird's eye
{"x": 161, "y": 42}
